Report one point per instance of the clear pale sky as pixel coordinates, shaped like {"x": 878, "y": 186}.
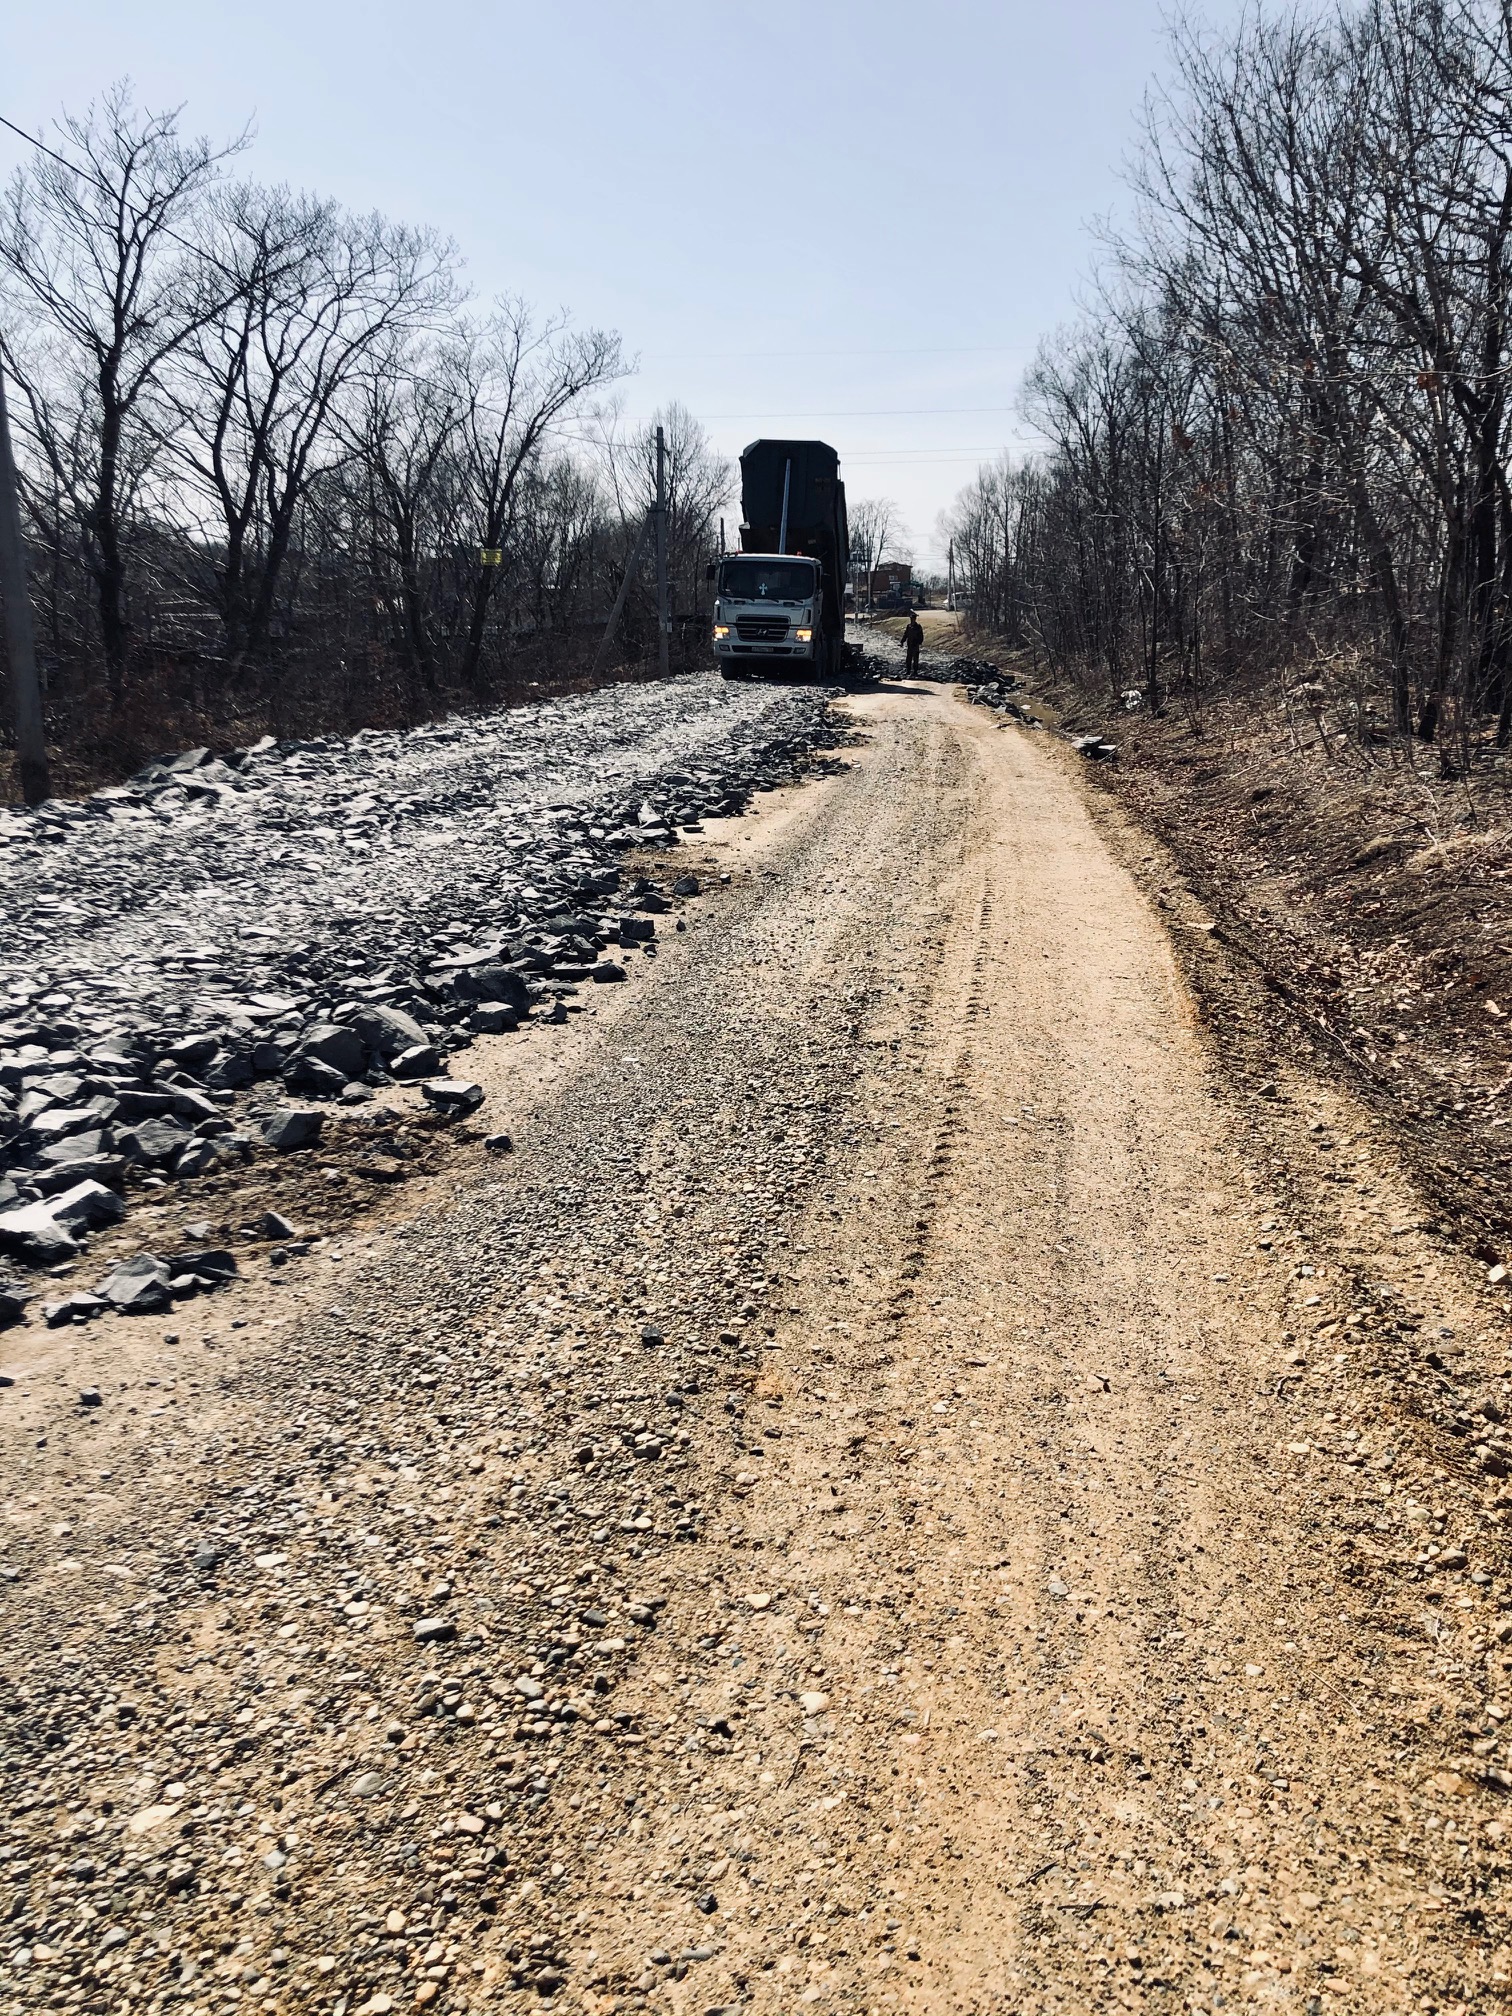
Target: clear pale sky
{"x": 833, "y": 219}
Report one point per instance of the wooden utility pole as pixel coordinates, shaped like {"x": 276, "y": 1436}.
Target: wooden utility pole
{"x": 20, "y": 646}
{"x": 632, "y": 569}
{"x": 663, "y": 613}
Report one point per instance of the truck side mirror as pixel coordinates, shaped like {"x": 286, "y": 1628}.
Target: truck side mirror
{"x": 710, "y": 571}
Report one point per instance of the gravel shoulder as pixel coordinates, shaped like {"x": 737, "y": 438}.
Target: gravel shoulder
{"x": 949, "y": 1469}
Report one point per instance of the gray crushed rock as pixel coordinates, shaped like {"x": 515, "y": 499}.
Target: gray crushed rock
{"x": 313, "y": 920}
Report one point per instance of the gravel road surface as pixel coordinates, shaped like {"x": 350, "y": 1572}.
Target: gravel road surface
{"x": 947, "y": 1471}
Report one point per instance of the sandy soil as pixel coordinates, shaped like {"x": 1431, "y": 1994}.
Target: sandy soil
{"x": 1368, "y": 879}
{"x": 1101, "y": 1584}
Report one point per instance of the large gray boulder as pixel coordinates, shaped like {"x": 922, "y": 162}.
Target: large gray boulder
{"x": 334, "y": 1045}
{"x": 153, "y": 1141}
{"x": 76, "y": 1149}
{"x": 13, "y": 1301}
{"x": 422, "y": 1061}
{"x": 33, "y": 1234}
{"x": 86, "y": 1207}
{"x": 386, "y": 1031}
{"x": 491, "y": 983}
{"x": 452, "y": 1097}
{"x": 293, "y": 1127}
{"x": 138, "y": 1287}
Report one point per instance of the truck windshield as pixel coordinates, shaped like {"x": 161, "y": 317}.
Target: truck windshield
{"x": 766, "y": 580}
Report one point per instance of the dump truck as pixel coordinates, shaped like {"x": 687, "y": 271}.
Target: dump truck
{"x": 779, "y": 603}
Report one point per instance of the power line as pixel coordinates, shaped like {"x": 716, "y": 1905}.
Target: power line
{"x": 921, "y": 454}
{"x": 858, "y": 413}
{"x": 933, "y": 453}
{"x": 907, "y": 350}
{"x": 101, "y": 184}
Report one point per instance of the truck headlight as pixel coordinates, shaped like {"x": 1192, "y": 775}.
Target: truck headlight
{"x": 721, "y": 629}
{"x": 804, "y": 636}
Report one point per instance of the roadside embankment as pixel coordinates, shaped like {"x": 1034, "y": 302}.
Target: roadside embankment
{"x": 1369, "y": 887}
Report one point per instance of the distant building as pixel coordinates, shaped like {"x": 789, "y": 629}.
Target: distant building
{"x": 892, "y": 583}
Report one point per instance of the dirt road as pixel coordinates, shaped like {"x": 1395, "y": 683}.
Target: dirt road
{"x": 947, "y": 1472}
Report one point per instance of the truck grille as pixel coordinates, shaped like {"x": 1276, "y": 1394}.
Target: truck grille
{"x": 761, "y": 629}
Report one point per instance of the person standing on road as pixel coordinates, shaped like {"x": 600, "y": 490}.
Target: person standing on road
{"x": 913, "y": 637}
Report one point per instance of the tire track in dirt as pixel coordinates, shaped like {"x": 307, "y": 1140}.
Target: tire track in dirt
{"x": 1062, "y": 1582}
{"x": 1049, "y": 1751}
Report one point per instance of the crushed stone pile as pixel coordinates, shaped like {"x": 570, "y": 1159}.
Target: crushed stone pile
{"x": 198, "y": 961}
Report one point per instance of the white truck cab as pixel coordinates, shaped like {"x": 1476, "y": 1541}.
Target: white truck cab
{"x": 768, "y": 609}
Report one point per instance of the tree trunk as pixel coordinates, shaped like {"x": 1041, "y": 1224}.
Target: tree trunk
{"x": 109, "y": 563}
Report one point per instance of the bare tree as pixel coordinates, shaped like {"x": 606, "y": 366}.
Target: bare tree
{"x": 522, "y": 378}
{"x": 1282, "y": 432}
{"x": 991, "y": 525}
{"x": 873, "y": 523}
{"x": 699, "y": 483}
{"x": 257, "y": 388}
{"x": 403, "y": 436}
{"x": 271, "y": 470}
{"x": 105, "y": 291}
